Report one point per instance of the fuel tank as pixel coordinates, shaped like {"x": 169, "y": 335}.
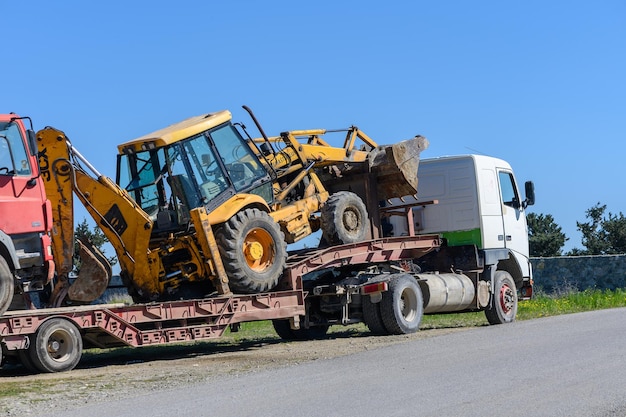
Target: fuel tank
{"x": 444, "y": 293}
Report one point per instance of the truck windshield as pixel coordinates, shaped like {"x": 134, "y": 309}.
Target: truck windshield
{"x": 13, "y": 156}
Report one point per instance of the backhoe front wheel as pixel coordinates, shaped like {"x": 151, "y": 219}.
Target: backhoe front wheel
{"x": 344, "y": 219}
{"x": 253, "y": 251}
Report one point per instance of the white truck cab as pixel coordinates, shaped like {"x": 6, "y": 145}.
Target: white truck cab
{"x": 475, "y": 200}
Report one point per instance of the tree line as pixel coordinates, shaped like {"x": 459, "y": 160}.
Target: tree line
{"x": 602, "y": 234}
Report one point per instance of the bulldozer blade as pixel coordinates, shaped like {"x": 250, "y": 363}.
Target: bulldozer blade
{"x": 395, "y": 167}
{"x": 93, "y": 277}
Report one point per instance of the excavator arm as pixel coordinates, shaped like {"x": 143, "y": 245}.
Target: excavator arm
{"x": 127, "y": 227}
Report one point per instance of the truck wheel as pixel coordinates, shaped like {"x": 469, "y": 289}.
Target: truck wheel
{"x": 371, "y": 316}
{"x": 402, "y": 306}
{"x": 344, "y": 219}
{"x": 27, "y": 362}
{"x": 253, "y": 250}
{"x": 7, "y": 286}
{"x": 284, "y": 330}
{"x": 57, "y": 346}
{"x": 503, "y": 306}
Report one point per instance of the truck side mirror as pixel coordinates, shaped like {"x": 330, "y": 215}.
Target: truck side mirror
{"x": 530, "y": 194}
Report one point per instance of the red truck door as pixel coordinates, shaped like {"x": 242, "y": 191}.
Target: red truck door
{"x": 22, "y": 197}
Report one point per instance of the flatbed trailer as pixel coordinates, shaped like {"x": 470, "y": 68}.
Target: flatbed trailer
{"x": 52, "y": 340}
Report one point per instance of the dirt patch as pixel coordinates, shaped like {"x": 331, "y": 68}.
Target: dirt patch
{"x": 119, "y": 374}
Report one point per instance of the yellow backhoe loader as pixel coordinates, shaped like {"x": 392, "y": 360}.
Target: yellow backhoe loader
{"x": 201, "y": 207}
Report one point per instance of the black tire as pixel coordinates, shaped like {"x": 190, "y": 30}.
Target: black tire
{"x": 344, "y": 219}
{"x": 253, "y": 250}
{"x": 7, "y": 286}
{"x": 402, "y": 306}
{"x": 371, "y": 316}
{"x": 27, "y": 362}
{"x": 284, "y": 330}
{"x": 57, "y": 346}
{"x": 503, "y": 304}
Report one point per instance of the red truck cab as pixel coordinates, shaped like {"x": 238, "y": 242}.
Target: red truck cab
{"x": 26, "y": 262}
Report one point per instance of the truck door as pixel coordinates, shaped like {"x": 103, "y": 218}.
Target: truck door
{"x": 21, "y": 200}
{"x": 515, "y": 232}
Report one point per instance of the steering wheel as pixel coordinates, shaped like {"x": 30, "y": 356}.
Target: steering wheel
{"x": 7, "y": 170}
{"x": 209, "y": 170}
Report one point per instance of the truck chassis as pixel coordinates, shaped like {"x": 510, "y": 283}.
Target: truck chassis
{"x": 52, "y": 340}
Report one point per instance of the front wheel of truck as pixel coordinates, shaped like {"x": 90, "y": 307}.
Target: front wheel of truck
{"x": 503, "y": 304}
{"x": 7, "y": 286}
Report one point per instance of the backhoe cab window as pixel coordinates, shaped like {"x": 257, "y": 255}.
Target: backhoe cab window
{"x": 191, "y": 173}
{"x": 142, "y": 176}
{"x": 13, "y": 156}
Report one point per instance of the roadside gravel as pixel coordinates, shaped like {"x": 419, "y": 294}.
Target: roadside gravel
{"x": 120, "y": 374}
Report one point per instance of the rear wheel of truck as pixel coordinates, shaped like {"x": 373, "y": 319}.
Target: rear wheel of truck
{"x": 253, "y": 251}
{"x": 7, "y": 286}
{"x": 284, "y": 330}
{"x": 344, "y": 219}
{"x": 503, "y": 305}
{"x": 372, "y": 317}
{"x": 57, "y": 346}
{"x": 27, "y": 362}
{"x": 402, "y": 306}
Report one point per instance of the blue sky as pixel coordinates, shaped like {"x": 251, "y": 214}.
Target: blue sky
{"x": 540, "y": 84}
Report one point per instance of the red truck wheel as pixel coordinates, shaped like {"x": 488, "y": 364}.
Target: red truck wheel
{"x": 7, "y": 286}
{"x": 503, "y": 306}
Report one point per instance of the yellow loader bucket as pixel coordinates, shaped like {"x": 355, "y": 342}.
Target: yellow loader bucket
{"x": 395, "y": 167}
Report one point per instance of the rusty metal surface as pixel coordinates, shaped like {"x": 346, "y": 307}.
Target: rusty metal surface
{"x": 395, "y": 167}
{"x": 93, "y": 277}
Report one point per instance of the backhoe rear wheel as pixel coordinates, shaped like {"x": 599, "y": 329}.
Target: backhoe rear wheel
{"x": 344, "y": 219}
{"x": 7, "y": 286}
{"x": 253, "y": 251}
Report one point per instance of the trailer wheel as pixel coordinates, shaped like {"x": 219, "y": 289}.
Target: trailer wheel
{"x": 254, "y": 251}
{"x": 503, "y": 305}
{"x": 372, "y": 317}
{"x": 344, "y": 219}
{"x": 284, "y": 330}
{"x": 7, "y": 286}
{"x": 402, "y": 307}
{"x": 27, "y": 362}
{"x": 57, "y": 346}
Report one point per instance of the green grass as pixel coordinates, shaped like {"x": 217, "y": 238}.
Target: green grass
{"x": 574, "y": 302}
{"x": 540, "y": 306}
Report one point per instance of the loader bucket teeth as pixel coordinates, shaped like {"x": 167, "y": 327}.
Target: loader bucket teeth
{"x": 94, "y": 275}
{"x": 395, "y": 167}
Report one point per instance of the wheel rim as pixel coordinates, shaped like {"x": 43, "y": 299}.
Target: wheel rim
{"x": 350, "y": 220}
{"x": 408, "y": 305}
{"x": 59, "y": 346}
{"x": 258, "y": 249}
{"x": 507, "y": 299}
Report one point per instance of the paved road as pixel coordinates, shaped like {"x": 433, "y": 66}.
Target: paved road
{"x": 572, "y": 365}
